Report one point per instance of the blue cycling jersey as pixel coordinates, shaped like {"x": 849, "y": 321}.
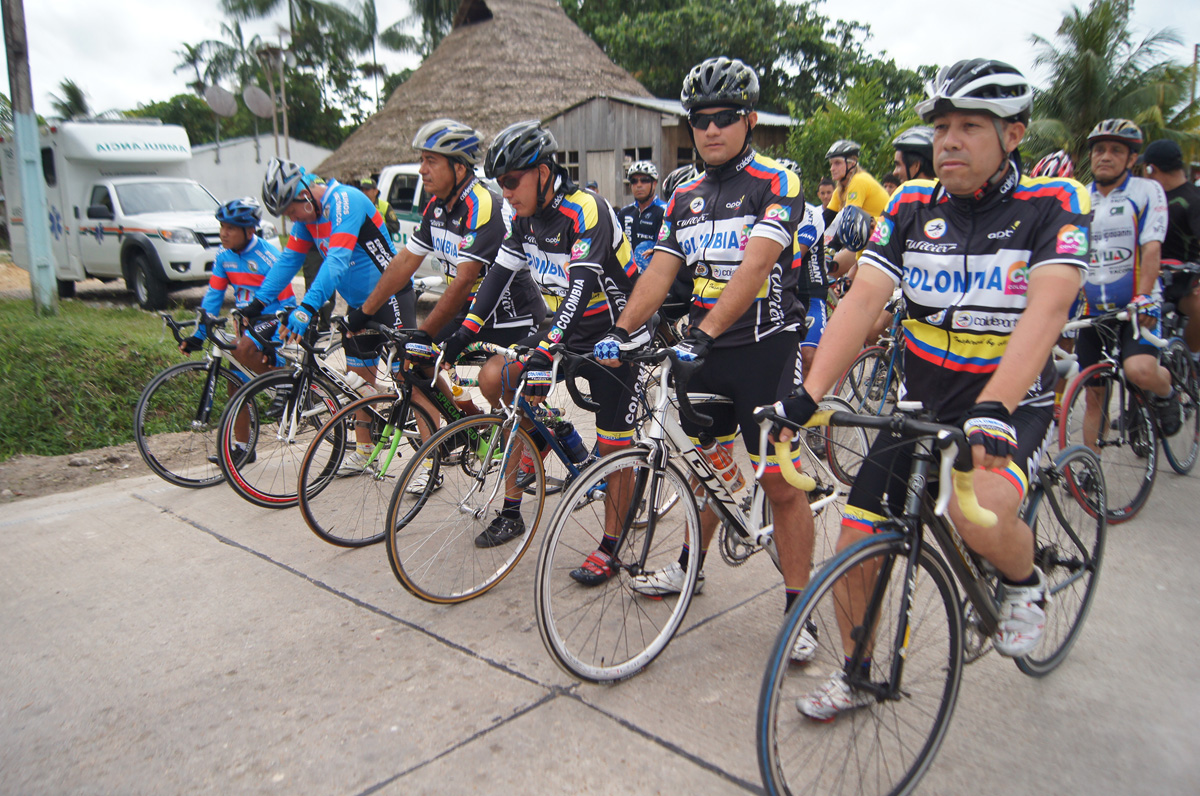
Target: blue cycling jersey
{"x": 245, "y": 270}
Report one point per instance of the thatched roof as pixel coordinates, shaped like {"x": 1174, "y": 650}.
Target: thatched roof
{"x": 504, "y": 61}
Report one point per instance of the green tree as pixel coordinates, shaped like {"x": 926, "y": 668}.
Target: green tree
{"x": 71, "y": 102}
{"x": 234, "y": 57}
{"x": 195, "y": 58}
{"x": 1100, "y": 70}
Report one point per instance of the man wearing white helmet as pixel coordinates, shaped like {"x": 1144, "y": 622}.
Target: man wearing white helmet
{"x": 989, "y": 263}
{"x": 641, "y": 218}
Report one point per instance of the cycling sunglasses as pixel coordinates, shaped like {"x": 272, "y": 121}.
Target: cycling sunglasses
{"x": 722, "y": 119}
{"x": 512, "y": 179}
{"x": 640, "y": 180}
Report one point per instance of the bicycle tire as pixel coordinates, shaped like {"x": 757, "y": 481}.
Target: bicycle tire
{"x": 861, "y": 751}
{"x": 609, "y": 632}
{"x": 1068, "y": 546}
{"x": 431, "y": 532}
{"x": 271, "y": 477}
{"x": 1125, "y": 438}
{"x": 845, "y": 446}
{"x": 868, "y": 385}
{"x": 1181, "y": 449}
{"x": 350, "y": 510}
{"x": 175, "y": 435}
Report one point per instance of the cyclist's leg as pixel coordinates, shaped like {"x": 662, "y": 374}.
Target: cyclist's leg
{"x": 1088, "y": 350}
{"x": 362, "y": 357}
{"x": 250, "y": 354}
{"x": 818, "y": 316}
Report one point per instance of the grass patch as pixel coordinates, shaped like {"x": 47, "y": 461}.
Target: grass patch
{"x": 70, "y": 383}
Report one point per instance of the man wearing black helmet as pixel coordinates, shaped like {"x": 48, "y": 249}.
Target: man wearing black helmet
{"x": 914, "y": 154}
{"x": 1163, "y": 160}
{"x": 854, "y": 184}
{"x": 989, "y": 265}
{"x": 735, "y": 230}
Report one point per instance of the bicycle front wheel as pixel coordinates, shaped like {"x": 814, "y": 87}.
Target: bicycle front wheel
{"x": 175, "y": 423}
{"x": 344, "y": 498}
{"x": 1114, "y": 421}
{"x": 1069, "y": 529}
{"x": 1182, "y": 448}
{"x": 886, "y": 743}
{"x": 609, "y": 630}
{"x": 871, "y": 384}
{"x": 267, "y": 473}
{"x": 447, "y": 540}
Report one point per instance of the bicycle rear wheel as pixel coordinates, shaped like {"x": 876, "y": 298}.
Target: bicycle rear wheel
{"x": 268, "y": 475}
{"x": 1122, "y": 432}
{"x": 887, "y": 743}
{"x": 175, "y": 424}
{"x": 845, "y": 446}
{"x": 1069, "y": 529}
{"x": 1182, "y": 448}
{"x": 608, "y": 631}
{"x": 346, "y": 505}
{"x": 871, "y": 384}
{"x": 447, "y": 497}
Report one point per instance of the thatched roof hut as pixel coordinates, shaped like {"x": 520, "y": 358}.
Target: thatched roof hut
{"x": 503, "y": 61}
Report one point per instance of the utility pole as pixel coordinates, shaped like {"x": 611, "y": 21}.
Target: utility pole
{"x": 29, "y": 171}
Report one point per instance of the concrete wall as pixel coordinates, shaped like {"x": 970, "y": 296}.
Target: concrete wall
{"x": 240, "y": 169}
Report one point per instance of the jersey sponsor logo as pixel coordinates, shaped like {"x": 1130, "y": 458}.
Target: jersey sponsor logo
{"x": 1071, "y": 240}
{"x": 935, "y": 228}
{"x": 882, "y": 233}
{"x": 983, "y": 321}
{"x": 664, "y": 231}
{"x": 1110, "y": 255}
{"x": 955, "y": 281}
{"x": 687, "y": 222}
{"x": 777, "y": 213}
{"x": 581, "y": 249}
{"x": 553, "y": 241}
{"x": 926, "y": 246}
{"x": 555, "y": 335}
{"x": 546, "y": 268}
{"x": 1118, "y": 210}
{"x": 252, "y": 266}
{"x": 701, "y": 269}
{"x": 437, "y": 212}
{"x": 1018, "y": 279}
{"x": 1001, "y": 235}
{"x": 697, "y": 204}
{"x": 737, "y": 204}
{"x": 720, "y": 239}
{"x": 468, "y": 241}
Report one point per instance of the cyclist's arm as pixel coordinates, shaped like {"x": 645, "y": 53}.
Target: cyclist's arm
{"x": 498, "y": 278}
{"x": 743, "y": 287}
{"x": 1151, "y": 268}
{"x": 456, "y": 295}
{"x": 287, "y": 266}
{"x": 1052, "y": 289}
{"x": 847, "y": 329}
{"x": 650, "y": 291}
{"x": 393, "y": 279}
{"x": 584, "y": 282}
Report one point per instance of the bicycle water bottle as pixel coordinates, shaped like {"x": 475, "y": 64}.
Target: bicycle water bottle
{"x": 463, "y": 401}
{"x": 569, "y": 438}
{"x": 359, "y": 384}
{"x": 722, "y": 462}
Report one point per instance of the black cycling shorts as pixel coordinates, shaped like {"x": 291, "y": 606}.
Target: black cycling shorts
{"x": 1089, "y": 348}
{"x": 752, "y": 375}
{"x": 886, "y": 468}
{"x": 362, "y": 350}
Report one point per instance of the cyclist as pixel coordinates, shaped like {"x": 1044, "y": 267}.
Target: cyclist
{"x": 1164, "y": 164}
{"x": 914, "y": 154}
{"x": 812, "y": 286}
{"x": 462, "y": 227}
{"x": 1056, "y": 164}
{"x": 243, "y": 261}
{"x": 641, "y": 218}
{"x": 745, "y": 318}
{"x": 855, "y": 186}
{"x": 342, "y": 224}
{"x": 1126, "y": 242}
{"x": 568, "y": 240}
{"x": 989, "y": 263}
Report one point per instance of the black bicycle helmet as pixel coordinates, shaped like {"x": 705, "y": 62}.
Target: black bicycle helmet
{"x": 1122, "y": 131}
{"x": 917, "y": 140}
{"x": 282, "y": 183}
{"x": 843, "y": 148}
{"x": 519, "y": 146}
{"x": 979, "y": 84}
{"x": 677, "y": 177}
{"x": 721, "y": 82}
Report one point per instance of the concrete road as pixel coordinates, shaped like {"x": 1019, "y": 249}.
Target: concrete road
{"x": 158, "y": 640}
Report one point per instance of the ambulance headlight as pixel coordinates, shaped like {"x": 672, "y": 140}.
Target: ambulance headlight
{"x": 178, "y": 235}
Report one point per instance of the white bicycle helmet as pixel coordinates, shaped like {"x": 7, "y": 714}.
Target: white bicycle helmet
{"x": 790, "y": 165}
{"x": 282, "y": 183}
{"x": 850, "y": 229}
{"x": 980, "y": 84}
{"x": 642, "y": 167}
{"x": 453, "y": 139}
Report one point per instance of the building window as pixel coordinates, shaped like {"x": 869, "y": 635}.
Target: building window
{"x": 632, "y": 156}
{"x": 569, "y": 160}
{"x": 685, "y": 155}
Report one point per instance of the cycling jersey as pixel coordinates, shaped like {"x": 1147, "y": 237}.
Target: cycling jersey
{"x": 641, "y": 227}
{"x": 813, "y": 281}
{"x": 578, "y": 256}
{"x": 709, "y": 222}
{"x": 1182, "y": 242}
{"x": 964, "y": 265}
{"x": 1133, "y": 214}
{"x": 245, "y": 270}
{"x": 350, "y": 234}
{"x": 863, "y": 191}
{"x": 473, "y": 229}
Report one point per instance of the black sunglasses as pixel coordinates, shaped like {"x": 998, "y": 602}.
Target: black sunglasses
{"x": 639, "y": 180}
{"x": 512, "y": 179}
{"x": 721, "y": 119}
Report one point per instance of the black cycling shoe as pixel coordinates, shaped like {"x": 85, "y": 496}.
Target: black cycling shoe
{"x": 1170, "y": 419}
{"x": 240, "y": 456}
{"x": 501, "y": 531}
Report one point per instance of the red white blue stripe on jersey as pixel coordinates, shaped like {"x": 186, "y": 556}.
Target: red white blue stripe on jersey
{"x": 1065, "y": 192}
{"x": 781, "y": 183}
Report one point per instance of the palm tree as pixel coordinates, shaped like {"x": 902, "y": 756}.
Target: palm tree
{"x": 234, "y": 57}
{"x": 193, "y": 56}
{"x": 72, "y": 103}
{"x": 1098, "y": 71}
{"x": 393, "y": 37}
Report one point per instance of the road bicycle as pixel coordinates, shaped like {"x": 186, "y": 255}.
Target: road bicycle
{"x": 898, "y": 617}
{"x": 453, "y": 488}
{"x": 610, "y": 631}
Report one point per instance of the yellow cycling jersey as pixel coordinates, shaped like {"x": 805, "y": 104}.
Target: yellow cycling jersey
{"x": 862, "y": 191}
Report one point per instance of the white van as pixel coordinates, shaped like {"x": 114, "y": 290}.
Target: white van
{"x": 401, "y": 186}
{"x": 121, "y": 206}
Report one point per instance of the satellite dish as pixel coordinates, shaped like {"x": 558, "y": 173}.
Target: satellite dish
{"x": 221, "y": 101}
{"x": 259, "y": 102}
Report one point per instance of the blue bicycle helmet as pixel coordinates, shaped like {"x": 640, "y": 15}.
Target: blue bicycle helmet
{"x": 245, "y": 212}
{"x": 850, "y": 229}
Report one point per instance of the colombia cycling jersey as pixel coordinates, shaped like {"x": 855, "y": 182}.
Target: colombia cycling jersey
{"x": 641, "y": 228}
{"x": 964, "y": 266}
{"x": 473, "y": 230}
{"x": 1133, "y": 214}
{"x": 350, "y": 234}
{"x": 245, "y": 270}
{"x": 863, "y": 191}
{"x": 809, "y": 261}
{"x": 578, "y": 256}
{"x": 709, "y": 222}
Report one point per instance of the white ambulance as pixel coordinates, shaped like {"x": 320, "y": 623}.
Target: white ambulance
{"x": 121, "y": 206}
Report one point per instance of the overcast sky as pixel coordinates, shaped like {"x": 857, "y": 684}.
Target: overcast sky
{"x": 122, "y": 52}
